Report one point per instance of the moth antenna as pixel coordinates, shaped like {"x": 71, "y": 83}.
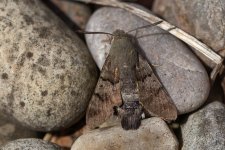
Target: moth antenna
{"x": 90, "y": 32}
{"x": 150, "y": 25}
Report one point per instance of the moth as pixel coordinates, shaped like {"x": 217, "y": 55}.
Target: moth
{"x": 128, "y": 86}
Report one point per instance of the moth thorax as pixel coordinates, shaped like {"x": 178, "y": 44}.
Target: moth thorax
{"x": 131, "y": 105}
{"x": 130, "y": 97}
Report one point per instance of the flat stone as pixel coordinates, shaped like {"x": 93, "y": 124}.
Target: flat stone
{"x": 181, "y": 73}
{"x": 10, "y": 131}
{"x": 203, "y": 19}
{"x": 152, "y": 134}
{"x": 30, "y": 144}
{"x": 47, "y": 75}
{"x": 205, "y": 129}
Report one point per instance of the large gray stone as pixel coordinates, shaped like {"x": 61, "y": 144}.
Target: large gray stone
{"x": 203, "y": 19}
{"x": 152, "y": 134}
{"x": 205, "y": 129}
{"x": 181, "y": 73}
{"x": 30, "y": 144}
{"x": 47, "y": 75}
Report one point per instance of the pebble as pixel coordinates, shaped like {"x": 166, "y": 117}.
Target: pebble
{"x": 79, "y": 13}
{"x": 47, "y": 75}
{"x": 30, "y": 144}
{"x": 182, "y": 74}
{"x": 10, "y": 131}
{"x": 152, "y": 134}
{"x": 205, "y": 129}
{"x": 203, "y": 19}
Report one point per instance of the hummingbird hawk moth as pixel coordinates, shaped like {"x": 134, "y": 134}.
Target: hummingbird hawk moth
{"x": 127, "y": 85}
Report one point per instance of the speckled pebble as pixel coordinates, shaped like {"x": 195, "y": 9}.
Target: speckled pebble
{"x": 181, "y": 73}
{"x": 203, "y": 19}
{"x": 152, "y": 134}
{"x": 30, "y": 144}
{"x": 205, "y": 129}
{"x": 47, "y": 75}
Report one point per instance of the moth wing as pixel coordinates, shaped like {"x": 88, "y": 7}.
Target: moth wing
{"x": 105, "y": 97}
{"x": 153, "y": 95}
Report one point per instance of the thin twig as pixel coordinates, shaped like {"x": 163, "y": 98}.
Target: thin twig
{"x": 92, "y": 32}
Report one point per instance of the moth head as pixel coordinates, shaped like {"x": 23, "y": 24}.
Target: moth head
{"x": 119, "y": 33}
{"x": 131, "y": 119}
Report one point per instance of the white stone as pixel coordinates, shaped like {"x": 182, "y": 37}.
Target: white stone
{"x": 152, "y": 134}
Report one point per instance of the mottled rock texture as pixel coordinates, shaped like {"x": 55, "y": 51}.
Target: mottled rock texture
{"x": 203, "y": 19}
{"x": 47, "y": 75}
{"x": 30, "y": 144}
{"x": 205, "y": 129}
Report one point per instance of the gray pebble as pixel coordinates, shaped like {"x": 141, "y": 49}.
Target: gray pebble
{"x": 152, "y": 134}
{"x": 181, "y": 73}
{"x": 203, "y": 19}
{"x": 205, "y": 129}
{"x": 30, "y": 144}
{"x": 47, "y": 75}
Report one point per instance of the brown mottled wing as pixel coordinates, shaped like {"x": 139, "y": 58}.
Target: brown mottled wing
{"x": 153, "y": 95}
{"x": 105, "y": 97}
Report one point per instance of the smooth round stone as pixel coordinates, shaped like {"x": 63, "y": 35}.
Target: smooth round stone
{"x": 152, "y": 134}
{"x": 30, "y": 144}
{"x": 10, "y": 131}
{"x": 205, "y": 129}
{"x": 181, "y": 73}
{"x": 203, "y": 19}
{"x": 47, "y": 75}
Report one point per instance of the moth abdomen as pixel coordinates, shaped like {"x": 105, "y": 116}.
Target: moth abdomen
{"x": 131, "y": 121}
{"x": 131, "y": 118}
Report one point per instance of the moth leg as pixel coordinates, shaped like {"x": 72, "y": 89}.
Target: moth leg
{"x": 142, "y": 109}
{"x": 143, "y": 115}
{"x": 108, "y": 39}
{"x": 119, "y": 111}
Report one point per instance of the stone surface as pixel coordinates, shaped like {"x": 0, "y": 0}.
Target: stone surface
{"x": 30, "y": 144}
{"x": 79, "y": 13}
{"x": 203, "y": 19}
{"x": 205, "y": 129}
{"x": 10, "y": 131}
{"x": 47, "y": 75}
{"x": 152, "y": 134}
{"x": 180, "y": 71}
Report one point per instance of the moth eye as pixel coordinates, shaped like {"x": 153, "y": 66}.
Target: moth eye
{"x": 100, "y": 85}
{"x": 136, "y": 102}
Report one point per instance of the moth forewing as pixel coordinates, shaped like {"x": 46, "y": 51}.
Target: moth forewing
{"x": 153, "y": 95}
{"x": 105, "y": 97}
